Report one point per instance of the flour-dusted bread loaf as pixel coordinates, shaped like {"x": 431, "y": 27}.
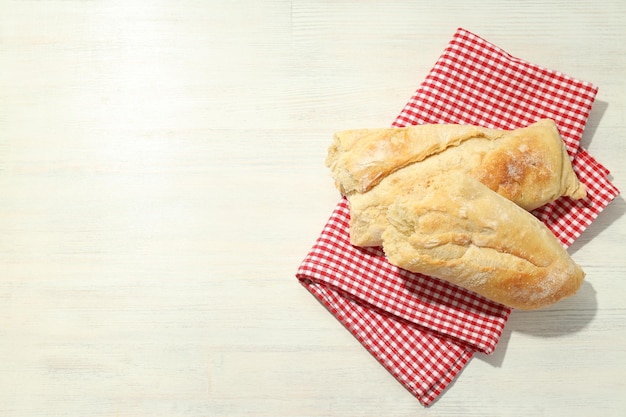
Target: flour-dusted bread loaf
{"x": 529, "y": 166}
{"x": 454, "y": 228}
{"x": 360, "y": 158}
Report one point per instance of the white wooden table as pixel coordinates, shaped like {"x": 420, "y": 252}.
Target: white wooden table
{"x": 162, "y": 177}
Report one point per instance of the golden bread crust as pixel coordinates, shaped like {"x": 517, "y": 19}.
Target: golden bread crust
{"x": 456, "y": 229}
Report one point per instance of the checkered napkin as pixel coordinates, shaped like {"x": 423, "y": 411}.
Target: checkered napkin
{"x": 421, "y": 329}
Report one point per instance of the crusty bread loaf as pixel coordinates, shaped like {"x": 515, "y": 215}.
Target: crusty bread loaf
{"x": 529, "y": 166}
{"x": 454, "y": 228}
{"x": 360, "y": 158}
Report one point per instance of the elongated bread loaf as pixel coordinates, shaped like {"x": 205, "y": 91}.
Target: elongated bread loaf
{"x": 529, "y": 166}
{"x": 360, "y": 158}
{"x": 454, "y": 228}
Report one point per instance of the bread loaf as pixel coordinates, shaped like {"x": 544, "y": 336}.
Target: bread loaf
{"x": 529, "y": 166}
{"x": 454, "y": 228}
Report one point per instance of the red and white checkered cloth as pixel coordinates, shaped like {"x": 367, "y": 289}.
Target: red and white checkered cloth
{"x": 421, "y": 329}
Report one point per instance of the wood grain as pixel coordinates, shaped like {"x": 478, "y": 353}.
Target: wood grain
{"x": 161, "y": 178}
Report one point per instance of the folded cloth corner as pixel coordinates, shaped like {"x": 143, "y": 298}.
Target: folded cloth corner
{"x": 421, "y": 329}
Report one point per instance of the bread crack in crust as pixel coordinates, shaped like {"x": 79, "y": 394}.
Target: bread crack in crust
{"x": 360, "y": 158}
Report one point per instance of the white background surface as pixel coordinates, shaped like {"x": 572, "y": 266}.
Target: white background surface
{"x": 162, "y": 177}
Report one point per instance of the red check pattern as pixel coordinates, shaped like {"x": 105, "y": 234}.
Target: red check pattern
{"x": 421, "y": 329}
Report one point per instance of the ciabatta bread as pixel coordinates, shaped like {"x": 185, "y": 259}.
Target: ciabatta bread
{"x": 360, "y": 158}
{"x": 454, "y": 228}
{"x": 529, "y": 166}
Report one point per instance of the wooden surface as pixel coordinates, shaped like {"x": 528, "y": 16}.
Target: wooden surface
{"x": 162, "y": 177}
